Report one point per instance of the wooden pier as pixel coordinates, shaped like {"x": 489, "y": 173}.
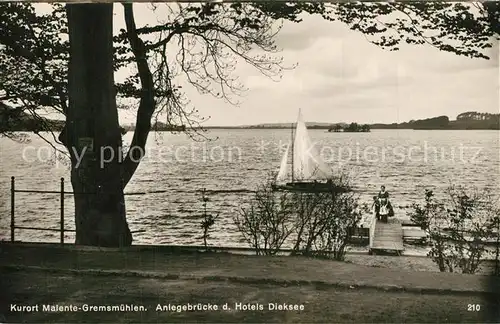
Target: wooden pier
{"x": 387, "y": 237}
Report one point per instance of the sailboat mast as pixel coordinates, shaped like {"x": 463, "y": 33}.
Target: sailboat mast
{"x": 292, "y": 151}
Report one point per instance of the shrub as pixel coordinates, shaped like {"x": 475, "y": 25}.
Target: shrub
{"x": 421, "y": 215}
{"x": 324, "y": 222}
{"x": 267, "y": 223}
{"x": 208, "y": 219}
{"x": 318, "y": 224}
{"x": 457, "y": 228}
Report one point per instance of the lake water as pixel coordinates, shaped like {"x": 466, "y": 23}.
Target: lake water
{"x": 406, "y": 161}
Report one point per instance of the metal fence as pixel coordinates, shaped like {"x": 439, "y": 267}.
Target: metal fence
{"x": 357, "y": 233}
{"x": 62, "y": 194}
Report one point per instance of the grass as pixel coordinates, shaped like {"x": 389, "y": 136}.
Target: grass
{"x": 320, "y": 305}
{"x": 330, "y": 291}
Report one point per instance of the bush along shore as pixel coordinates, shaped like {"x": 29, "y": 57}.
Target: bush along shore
{"x": 462, "y": 227}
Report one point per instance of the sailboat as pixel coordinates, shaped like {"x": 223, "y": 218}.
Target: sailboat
{"x": 308, "y": 171}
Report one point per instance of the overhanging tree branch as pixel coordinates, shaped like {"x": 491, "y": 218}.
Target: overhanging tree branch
{"x": 147, "y": 101}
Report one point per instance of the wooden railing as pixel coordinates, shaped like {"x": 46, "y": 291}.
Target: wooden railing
{"x": 372, "y": 229}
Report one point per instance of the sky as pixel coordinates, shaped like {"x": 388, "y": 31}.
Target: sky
{"x": 341, "y": 77}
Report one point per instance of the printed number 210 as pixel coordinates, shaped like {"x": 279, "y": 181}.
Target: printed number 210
{"x": 473, "y": 307}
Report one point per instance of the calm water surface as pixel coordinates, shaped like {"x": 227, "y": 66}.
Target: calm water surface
{"x": 406, "y": 161}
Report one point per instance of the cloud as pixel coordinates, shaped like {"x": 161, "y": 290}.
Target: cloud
{"x": 300, "y": 36}
{"x": 347, "y": 90}
{"x": 426, "y": 58}
{"x": 341, "y": 70}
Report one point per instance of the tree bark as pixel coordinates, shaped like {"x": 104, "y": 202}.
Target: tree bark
{"x": 92, "y": 133}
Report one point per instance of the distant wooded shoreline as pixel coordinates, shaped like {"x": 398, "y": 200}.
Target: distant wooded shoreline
{"x": 14, "y": 119}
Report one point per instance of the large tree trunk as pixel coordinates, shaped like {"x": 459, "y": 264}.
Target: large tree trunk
{"x": 93, "y": 118}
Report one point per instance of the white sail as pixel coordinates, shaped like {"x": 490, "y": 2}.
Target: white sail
{"x": 307, "y": 162}
{"x": 282, "y": 173}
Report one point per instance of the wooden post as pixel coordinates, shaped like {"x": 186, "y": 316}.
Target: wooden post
{"x": 62, "y": 211}
{"x": 292, "y": 152}
{"x": 12, "y": 205}
{"x": 497, "y": 248}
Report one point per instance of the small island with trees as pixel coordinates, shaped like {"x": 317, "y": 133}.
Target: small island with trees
{"x": 351, "y": 128}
